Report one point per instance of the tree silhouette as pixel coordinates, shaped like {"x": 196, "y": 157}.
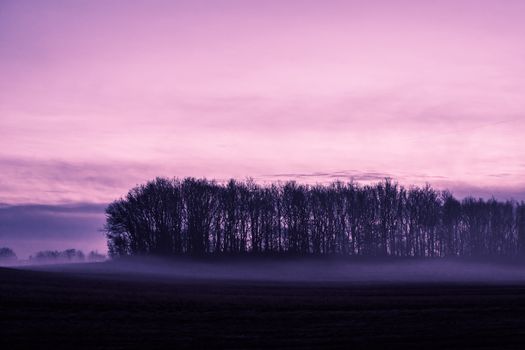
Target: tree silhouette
{"x": 7, "y": 255}
{"x": 198, "y": 216}
{"x": 49, "y": 256}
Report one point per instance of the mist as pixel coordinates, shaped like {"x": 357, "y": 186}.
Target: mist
{"x": 301, "y": 270}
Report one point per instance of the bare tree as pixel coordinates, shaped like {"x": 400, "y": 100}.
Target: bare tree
{"x": 198, "y": 216}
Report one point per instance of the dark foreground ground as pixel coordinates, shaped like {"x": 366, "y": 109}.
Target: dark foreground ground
{"x": 61, "y": 309}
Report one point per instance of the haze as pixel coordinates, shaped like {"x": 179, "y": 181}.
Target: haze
{"x": 359, "y": 271}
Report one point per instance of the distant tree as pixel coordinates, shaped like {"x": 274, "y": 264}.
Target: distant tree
{"x": 95, "y": 256}
{"x": 52, "y": 256}
{"x": 7, "y": 255}
{"x": 45, "y": 255}
{"x": 72, "y": 255}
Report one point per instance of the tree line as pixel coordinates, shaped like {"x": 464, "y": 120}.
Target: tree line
{"x": 190, "y": 216}
{"x": 68, "y": 255}
{"x": 7, "y": 255}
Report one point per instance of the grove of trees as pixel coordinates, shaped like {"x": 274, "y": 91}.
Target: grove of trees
{"x": 7, "y": 255}
{"x": 201, "y": 217}
{"x": 68, "y": 255}
{"x": 55, "y": 255}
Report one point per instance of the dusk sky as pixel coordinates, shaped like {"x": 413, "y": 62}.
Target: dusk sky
{"x": 98, "y": 96}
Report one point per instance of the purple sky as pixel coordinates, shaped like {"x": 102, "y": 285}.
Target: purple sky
{"x": 97, "y": 96}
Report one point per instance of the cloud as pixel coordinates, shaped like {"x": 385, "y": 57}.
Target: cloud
{"x": 439, "y": 182}
{"x": 30, "y": 228}
{"x": 27, "y": 180}
{"x": 501, "y": 192}
{"x": 330, "y": 176}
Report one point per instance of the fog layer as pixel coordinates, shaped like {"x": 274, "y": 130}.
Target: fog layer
{"x": 302, "y": 270}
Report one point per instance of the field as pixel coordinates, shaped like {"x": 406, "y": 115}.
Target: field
{"x": 96, "y": 306}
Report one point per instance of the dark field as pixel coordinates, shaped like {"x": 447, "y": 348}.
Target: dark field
{"x": 85, "y": 307}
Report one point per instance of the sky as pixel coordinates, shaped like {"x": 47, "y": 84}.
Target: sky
{"x": 98, "y": 96}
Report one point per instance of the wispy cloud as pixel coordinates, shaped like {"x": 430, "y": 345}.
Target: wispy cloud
{"x": 330, "y": 176}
